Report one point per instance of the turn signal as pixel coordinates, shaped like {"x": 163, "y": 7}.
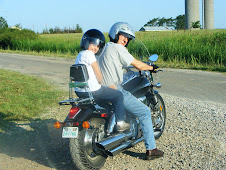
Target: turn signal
{"x": 73, "y": 112}
{"x": 160, "y": 108}
{"x": 57, "y": 125}
{"x": 86, "y": 125}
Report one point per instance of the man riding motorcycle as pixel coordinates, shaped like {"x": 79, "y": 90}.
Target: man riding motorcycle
{"x": 111, "y": 63}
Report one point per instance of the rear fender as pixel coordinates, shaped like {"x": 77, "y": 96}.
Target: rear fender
{"x": 86, "y": 113}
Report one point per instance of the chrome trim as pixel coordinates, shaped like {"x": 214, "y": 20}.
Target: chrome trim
{"x": 111, "y": 125}
{"x": 118, "y": 149}
{"x": 113, "y": 141}
{"x": 122, "y": 147}
{"x": 158, "y": 85}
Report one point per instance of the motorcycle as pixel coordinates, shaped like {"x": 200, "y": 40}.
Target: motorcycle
{"x": 90, "y": 125}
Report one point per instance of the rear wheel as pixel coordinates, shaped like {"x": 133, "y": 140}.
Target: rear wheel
{"x": 158, "y": 112}
{"x": 83, "y": 149}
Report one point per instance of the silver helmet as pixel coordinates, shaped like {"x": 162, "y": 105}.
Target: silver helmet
{"x": 121, "y": 28}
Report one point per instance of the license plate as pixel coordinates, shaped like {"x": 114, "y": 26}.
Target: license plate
{"x": 70, "y": 132}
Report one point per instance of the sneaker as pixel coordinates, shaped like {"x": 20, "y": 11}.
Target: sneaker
{"x": 122, "y": 126}
{"x": 152, "y": 154}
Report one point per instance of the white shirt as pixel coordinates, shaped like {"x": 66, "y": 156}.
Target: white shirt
{"x": 87, "y": 57}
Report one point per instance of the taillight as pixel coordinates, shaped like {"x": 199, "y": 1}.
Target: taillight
{"x": 104, "y": 115}
{"x": 75, "y": 124}
{"x": 73, "y": 112}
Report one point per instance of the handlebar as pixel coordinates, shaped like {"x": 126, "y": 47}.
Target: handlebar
{"x": 156, "y": 71}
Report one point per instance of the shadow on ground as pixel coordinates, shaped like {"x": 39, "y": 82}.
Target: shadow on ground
{"x": 35, "y": 140}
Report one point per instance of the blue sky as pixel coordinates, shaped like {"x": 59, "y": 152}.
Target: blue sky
{"x": 100, "y": 14}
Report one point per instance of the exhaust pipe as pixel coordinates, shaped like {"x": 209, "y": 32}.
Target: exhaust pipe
{"x": 118, "y": 149}
{"x": 113, "y": 141}
{"x": 122, "y": 147}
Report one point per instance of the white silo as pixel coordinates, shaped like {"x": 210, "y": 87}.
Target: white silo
{"x": 191, "y": 12}
{"x": 208, "y": 14}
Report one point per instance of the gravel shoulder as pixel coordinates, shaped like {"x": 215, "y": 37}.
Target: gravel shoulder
{"x": 194, "y": 138}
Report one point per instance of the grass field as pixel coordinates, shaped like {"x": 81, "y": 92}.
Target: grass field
{"x": 197, "y": 49}
{"x": 24, "y": 97}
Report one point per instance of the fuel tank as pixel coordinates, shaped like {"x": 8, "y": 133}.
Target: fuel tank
{"x": 136, "y": 85}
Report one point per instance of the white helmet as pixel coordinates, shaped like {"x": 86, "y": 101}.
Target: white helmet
{"x": 121, "y": 28}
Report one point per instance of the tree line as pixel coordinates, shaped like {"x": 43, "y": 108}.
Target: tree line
{"x": 178, "y": 22}
{"x": 58, "y": 30}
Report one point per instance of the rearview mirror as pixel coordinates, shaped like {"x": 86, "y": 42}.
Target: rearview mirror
{"x": 153, "y": 57}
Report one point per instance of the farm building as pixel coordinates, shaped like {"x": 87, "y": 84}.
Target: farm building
{"x": 156, "y": 28}
{"x": 15, "y": 27}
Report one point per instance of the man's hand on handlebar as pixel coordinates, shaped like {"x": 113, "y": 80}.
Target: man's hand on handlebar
{"x": 155, "y": 67}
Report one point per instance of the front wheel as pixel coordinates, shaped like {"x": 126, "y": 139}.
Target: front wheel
{"x": 158, "y": 112}
{"x": 83, "y": 151}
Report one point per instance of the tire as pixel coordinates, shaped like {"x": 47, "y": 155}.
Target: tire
{"x": 158, "y": 114}
{"x": 83, "y": 149}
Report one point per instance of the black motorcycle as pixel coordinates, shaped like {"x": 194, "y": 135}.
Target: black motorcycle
{"x": 90, "y": 125}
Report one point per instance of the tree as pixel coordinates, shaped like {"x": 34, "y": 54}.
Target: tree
{"x": 180, "y": 22}
{"x": 19, "y": 26}
{"x": 78, "y": 29}
{"x": 152, "y": 22}
{"x": 170, "y": 22}
{"x": 196, "y": 24}
{"x": 3, "y": 23}
{"x": 161, "y": 21}
{"x": 177, "y": 23}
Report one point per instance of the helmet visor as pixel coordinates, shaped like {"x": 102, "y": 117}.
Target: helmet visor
{"x": 130, "y": 37}
{"x": 97, "y": 42}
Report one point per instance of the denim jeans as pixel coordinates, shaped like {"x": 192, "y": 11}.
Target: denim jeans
{"x": 106, "y": 94}
{"x": 136, "y": 107}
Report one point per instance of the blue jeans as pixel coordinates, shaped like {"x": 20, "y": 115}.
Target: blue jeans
{"x": 136, "y": 107}
{"x": 106, "y": 94}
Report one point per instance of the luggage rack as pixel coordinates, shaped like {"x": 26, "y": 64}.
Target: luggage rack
{"x": 78, "y": 79}
{"x": 73, "y": 101}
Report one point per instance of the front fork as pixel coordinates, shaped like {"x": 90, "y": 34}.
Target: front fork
{"x": 156, "y": 109}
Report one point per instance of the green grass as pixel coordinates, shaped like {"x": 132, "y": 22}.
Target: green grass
{"x": 197, "y": 49}
{"x": 63, "y": 45}
{"x": 24, "y": 97}
{"x": 203, "y": 49}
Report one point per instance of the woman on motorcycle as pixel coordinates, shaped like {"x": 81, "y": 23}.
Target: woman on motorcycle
{"x": 92, "y": 43}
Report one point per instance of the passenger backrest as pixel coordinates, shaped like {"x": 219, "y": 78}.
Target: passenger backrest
{"x": 78, "y": 72}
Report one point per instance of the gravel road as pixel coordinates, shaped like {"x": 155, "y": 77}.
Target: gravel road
{"x": 194, "y": 136}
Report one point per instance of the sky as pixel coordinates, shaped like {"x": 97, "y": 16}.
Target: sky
{"x": 38, "y": 15}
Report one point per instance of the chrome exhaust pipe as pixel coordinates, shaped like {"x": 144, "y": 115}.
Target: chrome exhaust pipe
{"x": 118, "y": 149}
{"x": 122, "y": 147}
{"x": 113, "y": 141}
{"x": 138, "y": 141}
